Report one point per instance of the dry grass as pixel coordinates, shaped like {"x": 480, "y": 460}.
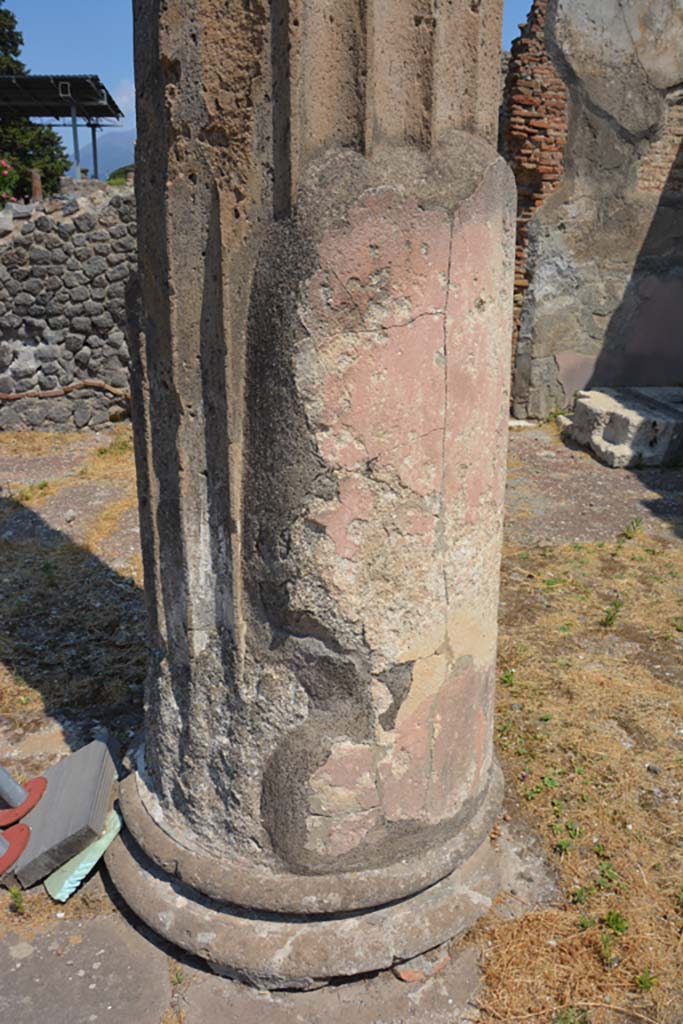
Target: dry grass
{"x": 34, "y": 442}
{"x": 39, "y": 911}
{"x": 589, "y": 726}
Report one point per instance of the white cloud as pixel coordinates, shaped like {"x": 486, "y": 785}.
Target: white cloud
{"x": 124, "y": 94}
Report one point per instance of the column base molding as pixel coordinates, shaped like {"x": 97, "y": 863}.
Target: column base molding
{"x": 272, "y": 951}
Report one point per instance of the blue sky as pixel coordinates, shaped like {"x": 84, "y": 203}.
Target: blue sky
{"x": 80, "y": 37}
{"x": 515, "y": 12}
{"x": 95, "y": 37}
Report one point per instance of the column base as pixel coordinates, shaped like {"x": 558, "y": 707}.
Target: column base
{"x": 232, "y": 879}
{"x": 273, "y": 951}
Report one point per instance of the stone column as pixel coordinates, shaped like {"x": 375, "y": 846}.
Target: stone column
{"x": 321, "y": 401}
{"x": 36, "y": 186}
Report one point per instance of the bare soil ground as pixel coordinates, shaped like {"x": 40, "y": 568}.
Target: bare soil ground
{"x": 590, "y": 711}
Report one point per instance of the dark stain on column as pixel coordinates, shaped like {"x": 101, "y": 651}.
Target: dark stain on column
{"x": 213, "y": 351}
{"x": 282, "y": 108}
{"x": 155, "y": 76}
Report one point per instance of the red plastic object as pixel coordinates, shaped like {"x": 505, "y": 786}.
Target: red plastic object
{"x": 17, "y": 837}
{"x": 35, "y": 789}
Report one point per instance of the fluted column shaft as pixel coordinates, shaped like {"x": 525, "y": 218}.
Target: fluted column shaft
{"x": 321, "y": 407}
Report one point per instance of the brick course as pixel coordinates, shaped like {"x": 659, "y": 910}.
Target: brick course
{"x": 533, "y": 133}
{"x": 661, "y": 169}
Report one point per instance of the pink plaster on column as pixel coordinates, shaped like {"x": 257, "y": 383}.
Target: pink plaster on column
{"x": 387, "y": 265}
{"x": 355, "y": 503}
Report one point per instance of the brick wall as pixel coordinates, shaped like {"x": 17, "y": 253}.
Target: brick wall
{"x": 533, "y": 133}
{"x": 661, "y": 169}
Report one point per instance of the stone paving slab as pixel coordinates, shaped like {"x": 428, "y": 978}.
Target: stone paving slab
{"x": 94, "y": 972}
{"x": 447, "y": 998}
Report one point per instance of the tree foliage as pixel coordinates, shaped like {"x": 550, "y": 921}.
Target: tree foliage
{"x": 27, "y": 145}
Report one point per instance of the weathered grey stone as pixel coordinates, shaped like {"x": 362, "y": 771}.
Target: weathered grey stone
{"x": 59, "y": 256}
{"x": 6, "y": 354}
{"x": 118, "y": 273}
{"x": 94, "y": 266}
{"x": 65, "y": 229}
{"x": 116, "y": 258}
{"x": 37, "y": 254}
{"x": 271, "y": 953}
{"x": 82, "y": 414}
{"x": 117, "y": 378}
{"x": 47, "y": 350}
{"x": 73, "y": 279}
{"x": 84, "y": 222}
{"x": 54, "y": 410}
{"x": 631, "y": 427}
{"x": 103, "y": 323}
{"x": 81, "y": 324}
{"x": 124, "y": 245}
{"x": 25, "y": 363}
{"x": 74, "y": 342}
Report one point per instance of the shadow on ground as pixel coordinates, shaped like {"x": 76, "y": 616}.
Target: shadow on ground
{"x": 661, "y": 489}
{"x": 72, "y": 633}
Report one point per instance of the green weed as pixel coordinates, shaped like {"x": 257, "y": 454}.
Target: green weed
{"x": 632, "y": 528}
{"x": 646, "y": 981}
{"x": 611, "y": 612}
{"x": 16, "y": 900}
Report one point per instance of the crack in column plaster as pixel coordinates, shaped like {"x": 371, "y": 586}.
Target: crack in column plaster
{"x": 380, "y": 327}
{"x": 442, "y": 510}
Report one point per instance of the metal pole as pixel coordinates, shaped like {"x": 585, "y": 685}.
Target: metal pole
{"x": 10, "y": 791}
{"x": 77, "y": 151}
{"x": 96, "y": 169}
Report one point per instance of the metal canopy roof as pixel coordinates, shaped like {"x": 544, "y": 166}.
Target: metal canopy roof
{"x": 56, "y": 96}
